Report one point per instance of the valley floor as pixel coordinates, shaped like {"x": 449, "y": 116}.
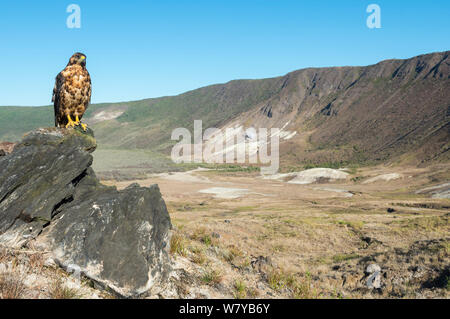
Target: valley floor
{"x": 237, "y": 235}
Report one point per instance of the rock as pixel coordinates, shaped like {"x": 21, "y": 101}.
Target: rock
{"x": 6, "y": 147}
{"x": 437, "y": 191}
{"x": 37, "y": 178}
{"x": 370, "y": 240}
{"x": 374, "y": 281}
{"x": 261, "y": 264}
{"x": 50, "y": 262}
{"x": 49, "y": 193}
{"x": 260, "y": 285}
{"x": 372, "y": 268}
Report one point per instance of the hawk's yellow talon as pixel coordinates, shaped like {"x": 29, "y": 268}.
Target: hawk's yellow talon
{"x": 78, "y": 122}
{"x": 70, "y": 122}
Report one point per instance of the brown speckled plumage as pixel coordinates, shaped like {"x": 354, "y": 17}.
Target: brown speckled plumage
{"x": 72, "y": 91}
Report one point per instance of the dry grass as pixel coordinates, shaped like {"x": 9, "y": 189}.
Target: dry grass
{"x": 198, "y": 255}
{"x": 299, "y": 288}
{"x": 3, "y": 255}
{"x": 240, "y": 290}
{"x": 178, "y": 245}
{"x": 58, "y": 290}
{"x": 344, "y": 257}
{"x": 277, "y": 279}
{"x": 212, "y": 276}
{"x": 302, "y": 289}
{"x": 36, "y": 261}
{"x": 231, "y": 253}
{"x": 198, "y": 233}
{"x": 11, "y": 286}
{"x": 202, "y": 235}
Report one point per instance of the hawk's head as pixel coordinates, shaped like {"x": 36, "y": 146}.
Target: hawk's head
{"x": 78, "y": 58}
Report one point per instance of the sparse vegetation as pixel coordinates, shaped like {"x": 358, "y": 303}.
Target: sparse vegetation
{"x": 302, "y": 289}
{"x": 212, "y": 276}
{"x": 299, "y": 288}
{"x": 231, "y": 253}
{"x": 11, "y": 286}
{"x": 352, "y": 224}
{"x": 357, "y": 179}
{"x": 178, "y": 244}
{"x": 59, "y": 290}
{"x": 278, "y": 279}
{"x": 201, "y": 234}
{"x": 198, "y": 255}
{"x": 37, "y": 261}
{"x": 240, "y": 290}
{"x": 427, "y": 224}
{"x": 229, "y": 168}
{"x": 344, "y": 257}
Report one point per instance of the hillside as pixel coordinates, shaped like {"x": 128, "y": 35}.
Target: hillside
{"x": 396, "y": 110}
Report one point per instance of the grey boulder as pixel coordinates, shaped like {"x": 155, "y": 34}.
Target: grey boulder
{"x": 50, "y": 194}
{"x": 373, "y": 280}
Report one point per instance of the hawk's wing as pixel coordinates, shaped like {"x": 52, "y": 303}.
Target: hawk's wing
{"x": 56, "y": 95}
{"x": 90, "y": 87}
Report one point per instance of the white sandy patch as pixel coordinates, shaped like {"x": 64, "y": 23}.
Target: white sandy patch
{"x": 187, "y": 177}
{"x": 310, "y": 176}
{"x": 228, "y": 193}
{"x": 105, "y": 116}
{"x": 384, "y": 177}
{"x": 248, "y": 137}
{"x": 344, "y": 192}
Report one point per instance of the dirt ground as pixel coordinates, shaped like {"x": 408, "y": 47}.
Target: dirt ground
{"x": 239, "y": 235}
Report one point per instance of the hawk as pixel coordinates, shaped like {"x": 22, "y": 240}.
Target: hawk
{"x": 72, "y": 93}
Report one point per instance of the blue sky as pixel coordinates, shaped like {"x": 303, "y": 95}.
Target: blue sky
{"x": 142, "y": 49}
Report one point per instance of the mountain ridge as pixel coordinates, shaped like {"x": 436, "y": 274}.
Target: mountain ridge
{"x": 389, "y": 111}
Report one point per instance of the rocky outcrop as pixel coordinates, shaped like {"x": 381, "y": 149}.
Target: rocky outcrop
{"x": 310, "y": 176}
{"x": 50, "y": 195}
{"x": 437, "y": 191}
{"x": 6, "y": 148}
